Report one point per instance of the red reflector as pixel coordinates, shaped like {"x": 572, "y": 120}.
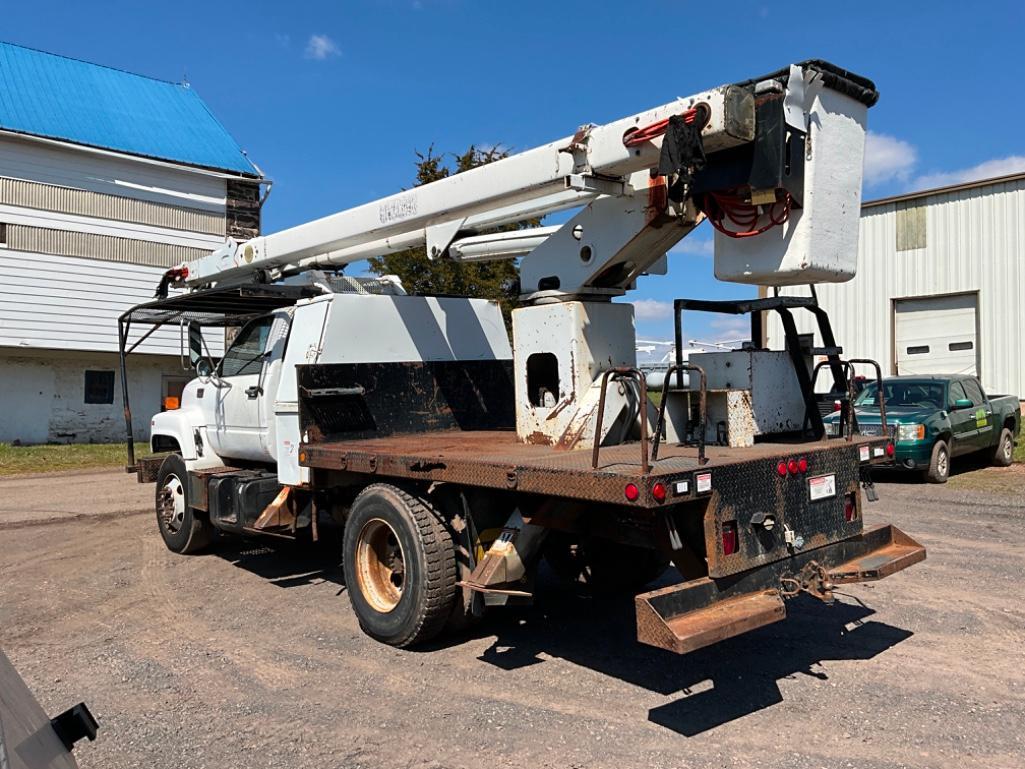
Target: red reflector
{"x": 792, "y": 466}
{"x": 802, "y": 465}
{"x": 837, "y": 405}
{"x": 889, "y": 449}
{"x": 850, "y": 509}
{"x": 632, "y": 492}
{"x": 729, "y": 538}
{"x": 781, "y": 468}
{"x": 658, "y": 491}
{"x": 185, "y": 272}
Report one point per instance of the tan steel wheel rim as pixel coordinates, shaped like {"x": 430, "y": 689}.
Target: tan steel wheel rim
{"x": 380, "y": 565}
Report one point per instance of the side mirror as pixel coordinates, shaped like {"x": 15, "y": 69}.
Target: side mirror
{"x": 204, "y": 367}
{"x": 196, "y": 345}
{"x": 963, "y": 403}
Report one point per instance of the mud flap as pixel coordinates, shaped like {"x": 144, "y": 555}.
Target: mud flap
{"x": 685, "y": 617}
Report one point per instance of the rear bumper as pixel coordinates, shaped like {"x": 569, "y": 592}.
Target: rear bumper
{"x": 685, "y": 617}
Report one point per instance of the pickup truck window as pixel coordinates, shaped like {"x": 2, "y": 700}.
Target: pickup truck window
{"x": 903, "y": 393}
{"x": 972, "y": 389}
{"x": 245, "y": 356}
{"x": 956, "y": 393}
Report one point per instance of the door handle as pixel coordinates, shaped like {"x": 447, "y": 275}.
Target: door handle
{"x": 254, "y": 391}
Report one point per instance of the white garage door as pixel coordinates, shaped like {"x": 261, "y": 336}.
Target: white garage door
{"x": 936, "y": 335}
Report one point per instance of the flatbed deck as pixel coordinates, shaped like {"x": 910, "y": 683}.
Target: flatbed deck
{"x": 496, "y": 459}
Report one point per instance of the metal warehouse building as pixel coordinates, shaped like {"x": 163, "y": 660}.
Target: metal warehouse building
{"x": 939, "y": 285}
{"x": 107, "y": 178}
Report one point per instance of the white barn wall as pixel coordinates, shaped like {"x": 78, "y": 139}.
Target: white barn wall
{"x": 44, "y": 396}
{"x": 68, "y": 303}
{"x": 975, "y": 242}
{"x": 51, "y": 163}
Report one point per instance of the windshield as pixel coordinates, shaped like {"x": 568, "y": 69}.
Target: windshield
{"x": 913, "y": 394}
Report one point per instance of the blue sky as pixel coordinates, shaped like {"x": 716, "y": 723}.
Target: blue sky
{"x": 332, "y": 98}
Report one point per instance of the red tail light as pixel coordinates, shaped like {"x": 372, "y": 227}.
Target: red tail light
{"x": 632, "y": 492}
{"x": 889, "y": 449}
{"x": 781, "y": 468}
{"x": 729, "y": 538}
{"x": 792, "y": 466}
{"x": 802, "y": 465}
{"x": 658, "y": 491}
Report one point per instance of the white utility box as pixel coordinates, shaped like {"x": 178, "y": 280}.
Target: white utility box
{"x": 750, "y": 393}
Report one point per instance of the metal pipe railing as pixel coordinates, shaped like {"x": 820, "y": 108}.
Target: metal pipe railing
{"x": 702, "y": 408}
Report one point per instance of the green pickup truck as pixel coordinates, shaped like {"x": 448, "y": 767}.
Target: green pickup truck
{"x": 935, "y": 418}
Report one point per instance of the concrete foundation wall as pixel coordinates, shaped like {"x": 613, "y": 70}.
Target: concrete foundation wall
{"x": 44, "y": 396}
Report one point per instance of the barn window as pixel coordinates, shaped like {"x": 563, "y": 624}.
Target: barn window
{"x": 956, "y": 346}
{"x": 99, "y": 387}
{"x": 910, "y": 225}
{"x": 3, "y": 233}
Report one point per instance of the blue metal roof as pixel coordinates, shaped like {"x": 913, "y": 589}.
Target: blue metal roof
{"x": 43, "y": 94}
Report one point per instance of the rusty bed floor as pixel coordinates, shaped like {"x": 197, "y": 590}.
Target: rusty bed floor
{"x": 497, "y": 459}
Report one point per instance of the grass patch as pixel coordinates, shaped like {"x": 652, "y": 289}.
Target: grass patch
{"x": 16, "y": 460}
{"x": 1019, "y": 450}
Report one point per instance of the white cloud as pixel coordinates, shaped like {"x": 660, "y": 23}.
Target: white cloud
{"x": 320, "y": 47}
{"x": 888, "y": 158}
{"x": 1012, "y": 164}
{"x": 694, "y": 247}
{"x": 652, "y": 309}
{"x": 728, "y": 329}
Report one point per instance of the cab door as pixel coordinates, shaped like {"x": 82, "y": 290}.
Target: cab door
{"x": 239, "y": 421}
{"x": 962, "y": 421}
{"x": 982, "y": 414}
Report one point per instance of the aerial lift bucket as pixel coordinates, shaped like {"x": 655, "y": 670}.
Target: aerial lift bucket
{"x": 688, "y": 616}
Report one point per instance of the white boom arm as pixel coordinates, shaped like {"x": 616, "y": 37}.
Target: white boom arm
{"x": 562, "y": 174}
{"x": 775, "y": 154}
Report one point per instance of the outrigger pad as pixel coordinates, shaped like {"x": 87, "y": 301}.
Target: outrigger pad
{"x": 688, "y": 616}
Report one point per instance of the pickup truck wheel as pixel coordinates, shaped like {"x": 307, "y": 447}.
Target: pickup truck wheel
{"x": 182, "y": 530}
{"x": 604, "y": 566}
{"x": 939, "y": 465}
{"x": 399, "y": 564}
{"x": 1003, "y": 455}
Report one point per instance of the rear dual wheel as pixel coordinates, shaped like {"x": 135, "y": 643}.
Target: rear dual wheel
{"x": 400, "y": 569}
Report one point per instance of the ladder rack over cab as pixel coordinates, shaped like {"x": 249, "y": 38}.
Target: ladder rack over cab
{"x": 455, "y": 460}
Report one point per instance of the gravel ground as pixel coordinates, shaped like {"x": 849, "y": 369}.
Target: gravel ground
{"x": 250, "y": 657}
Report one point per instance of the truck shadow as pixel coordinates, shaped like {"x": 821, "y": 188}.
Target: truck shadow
{"x": 283, "y": 563}
{"x": 717, "y": 684}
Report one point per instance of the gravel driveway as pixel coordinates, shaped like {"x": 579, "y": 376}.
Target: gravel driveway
{"x": 250, "y": 657}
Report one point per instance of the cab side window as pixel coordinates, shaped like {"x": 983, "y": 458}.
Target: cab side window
{"x": 973, "y": 391}
{"x": 956, "y": 393}
{"x": 245, "y": 356}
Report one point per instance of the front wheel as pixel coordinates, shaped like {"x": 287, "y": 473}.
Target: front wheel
{"x": 1003, "y": 455}
{"x": 182, "y": 530}
{"x": 399, "y": 563}
{"x": 939, "y": 465}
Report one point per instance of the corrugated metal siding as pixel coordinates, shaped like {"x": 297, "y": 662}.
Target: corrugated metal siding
{"x": 48, "y": 197}
{"x": 975, "y": 241}
{"x": 61, "y": 302}
{"x": 107, "y": 248}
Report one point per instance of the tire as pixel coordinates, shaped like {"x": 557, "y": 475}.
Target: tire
{"x": 181, "y": 528}
{"x": 1003, "y": 454}
{"x": 605, "y": 567}
{"x": 939, "y": 464}
{"x": 399, "y": 565}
